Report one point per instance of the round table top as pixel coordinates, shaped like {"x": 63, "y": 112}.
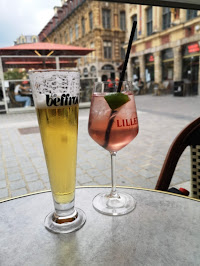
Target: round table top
{"x": 162, "y": 230}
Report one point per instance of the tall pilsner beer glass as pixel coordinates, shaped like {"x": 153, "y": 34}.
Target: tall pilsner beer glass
{"x": 56, "y": 98}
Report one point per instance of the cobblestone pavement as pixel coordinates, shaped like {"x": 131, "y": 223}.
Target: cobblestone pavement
{"x": 23, "y": 169}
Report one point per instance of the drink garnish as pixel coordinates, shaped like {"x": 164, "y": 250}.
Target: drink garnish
{"x": 116, "y": 100}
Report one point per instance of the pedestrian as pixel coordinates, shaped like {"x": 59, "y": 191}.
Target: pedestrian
{"x": 19, "y": 89}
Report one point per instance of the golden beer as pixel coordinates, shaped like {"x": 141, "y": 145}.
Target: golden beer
{"x": 59, "y": 128}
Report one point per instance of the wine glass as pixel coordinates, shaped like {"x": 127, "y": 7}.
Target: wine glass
{"x": 113, "y": 124}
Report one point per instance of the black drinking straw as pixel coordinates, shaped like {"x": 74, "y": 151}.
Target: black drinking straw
{"x": 107, "y": 135}
{"x": 127, "y": 55}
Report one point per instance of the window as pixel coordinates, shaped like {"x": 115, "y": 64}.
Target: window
{"x": 191, "y": 14}
{"x": 149, "y": 21}
{"x": 92, "y": 47}
{"x": 122, "y": 20}
{"x": 91, "y": 20}
{"x": 122, "y": 51}
{"x": 55, "y": 40}
{"x": 166, "y": 16}
{"x": 134, "y": 18}
{"x": 66, "y": 37}
{"x": 83, "y": 26}
{"x": 70, "y": 35}
{"x": 106, "y": 18}
{"x": 76, "y": 30}
{"x": 60, "y": 38}
{"x": 107, "y": 49}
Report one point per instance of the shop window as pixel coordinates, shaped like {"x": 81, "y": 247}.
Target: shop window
{"x": 106, "y": 18}
{"x": 191, "y": 14}
{"x": 77, "y": 31}
{"x": 107, "y": 45}
{"x": 167, "y": 64}
{"x": 149, "y": 15}
{"x": 122, "y": 51}
{"x": 134, "y": 18}
{"x": 166, "y": 16}
{"x": 91, "y": 20}
{"x": 83, "y": 26}
{"x": 123, "y": 20}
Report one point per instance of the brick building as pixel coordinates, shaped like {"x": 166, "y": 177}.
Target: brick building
{"x": 92, "y": 24}
{"x": 166, "y": 45}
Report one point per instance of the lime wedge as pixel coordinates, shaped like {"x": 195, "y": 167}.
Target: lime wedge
{"x": 116, "y": 100}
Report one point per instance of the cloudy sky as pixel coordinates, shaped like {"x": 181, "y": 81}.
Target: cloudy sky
{"x": 26, "y": 17}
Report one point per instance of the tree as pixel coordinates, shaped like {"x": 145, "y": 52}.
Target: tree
{"x": 15, "y": 73}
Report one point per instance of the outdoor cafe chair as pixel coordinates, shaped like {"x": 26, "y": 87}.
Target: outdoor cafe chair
{"x": 189, "y": 136}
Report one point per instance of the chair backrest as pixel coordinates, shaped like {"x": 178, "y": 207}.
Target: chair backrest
{"x": 189, "y": 136}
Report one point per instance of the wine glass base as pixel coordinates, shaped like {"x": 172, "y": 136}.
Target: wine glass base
{"x": 121, "y": 204}
{"x": 65, "y": 225}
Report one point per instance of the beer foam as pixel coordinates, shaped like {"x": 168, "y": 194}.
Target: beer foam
{"x": 54, "y": 83}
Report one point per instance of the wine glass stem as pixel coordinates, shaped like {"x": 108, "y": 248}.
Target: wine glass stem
{"x": 113, "y": 192}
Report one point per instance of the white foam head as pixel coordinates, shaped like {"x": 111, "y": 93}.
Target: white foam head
{"x": 53, "y": 83}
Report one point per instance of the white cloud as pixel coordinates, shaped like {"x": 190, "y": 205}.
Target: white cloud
{"x": 24, "y": 17}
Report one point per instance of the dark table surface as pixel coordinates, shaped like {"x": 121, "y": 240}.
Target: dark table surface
{"x": 162, "y": 230}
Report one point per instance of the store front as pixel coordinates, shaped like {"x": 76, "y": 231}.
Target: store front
{"x": 167, "y": 64}
{"x": 190, "y": 71}
{"x": 149, "y": 67}
{"x": 108, "y": 72}
{"x": 135, "y": 68}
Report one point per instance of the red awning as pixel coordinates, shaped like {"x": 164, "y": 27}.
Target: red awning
{"x": 43, "y": 48}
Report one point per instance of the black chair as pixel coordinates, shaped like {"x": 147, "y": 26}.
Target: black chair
{"x": 189, "y": 136}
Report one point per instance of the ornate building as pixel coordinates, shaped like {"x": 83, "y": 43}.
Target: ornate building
{"x": 92, "y": 24}
{"x": 26, "y": 39}
{"x": 166, "y": 45}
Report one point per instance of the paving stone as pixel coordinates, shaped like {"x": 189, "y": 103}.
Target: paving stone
{"x": 47, "y": 185}
{"x": 84, "y": 179}
{"x": 3, "y": 184}
{"x": 42, "y": 171}
{"x": 29, "y": 170}
{"x": 14, "y": 176}
{"x": 3, "y": 193}
{"x": 19, "y": 192}
{"x": 102, "y": 180}
{"x": 17, "y": 184}
{"x": 31, "y": 177}
{"x": 45, "y": 177}
{"x": 11, "y": 170}
{"x": 36, "y": 186}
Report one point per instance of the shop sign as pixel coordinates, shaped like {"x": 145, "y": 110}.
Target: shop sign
{"x": 149, "y": 58}
{"x": 193, "y": 48}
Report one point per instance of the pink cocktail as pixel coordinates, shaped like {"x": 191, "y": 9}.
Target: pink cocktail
{"x": 113, "y": 128}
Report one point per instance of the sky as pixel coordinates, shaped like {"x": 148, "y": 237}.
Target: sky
{"x": 27, "y": 17}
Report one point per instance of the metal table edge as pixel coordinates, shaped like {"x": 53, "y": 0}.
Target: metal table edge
{"x": 124, "y": 187}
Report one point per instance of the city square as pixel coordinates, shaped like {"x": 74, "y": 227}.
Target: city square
{"x": 161, "y": 118}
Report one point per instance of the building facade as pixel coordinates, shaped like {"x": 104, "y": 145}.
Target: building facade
{"x": 166, "y": 46}
{"x": 92, "y": 24}
{"x": 26, "y": 39}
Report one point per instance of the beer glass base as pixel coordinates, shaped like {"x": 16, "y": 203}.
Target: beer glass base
{"x": 65, "y": 225}
{"x": 114, "y": 206}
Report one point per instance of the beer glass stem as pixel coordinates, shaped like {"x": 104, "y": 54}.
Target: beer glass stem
{"x": 113, "y": 174}
{"x": 64, "y": 210}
